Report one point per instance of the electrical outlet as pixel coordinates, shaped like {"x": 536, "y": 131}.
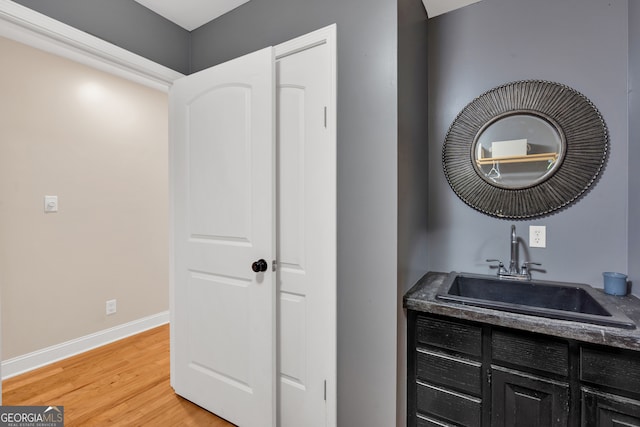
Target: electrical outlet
{"x": 111, "y": 307}
{"x": 537, "y": 236}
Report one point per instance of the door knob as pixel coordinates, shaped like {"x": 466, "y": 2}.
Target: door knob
{"x": 259, "y": 266}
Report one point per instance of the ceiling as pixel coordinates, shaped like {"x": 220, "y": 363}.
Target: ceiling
{"x": 191, "y": 14}
{"x": 438, "y": 7}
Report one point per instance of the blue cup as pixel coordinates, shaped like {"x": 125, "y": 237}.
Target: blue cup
{"x": 615, "y": 283}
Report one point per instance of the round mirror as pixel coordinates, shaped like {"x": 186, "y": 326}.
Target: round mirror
{"x": 525, "y": 149}
{"x": 518, "y": 150}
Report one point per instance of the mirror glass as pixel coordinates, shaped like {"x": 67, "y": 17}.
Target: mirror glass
{"x": 518, "y": 150}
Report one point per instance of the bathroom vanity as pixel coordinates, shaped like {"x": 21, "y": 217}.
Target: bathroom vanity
{"x": 477, "y": 366}
{"x": 509, "y": 351}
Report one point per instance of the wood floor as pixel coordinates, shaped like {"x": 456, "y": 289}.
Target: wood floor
{"x": 121, "y": 384}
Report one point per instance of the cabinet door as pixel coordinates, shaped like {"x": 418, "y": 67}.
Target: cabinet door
{"x": 524, "y": 400}
{"x": 608, "y": 410}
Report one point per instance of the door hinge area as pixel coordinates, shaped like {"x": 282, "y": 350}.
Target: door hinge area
{"x": 325, "y": 390}
{"x": 325, "y": 117}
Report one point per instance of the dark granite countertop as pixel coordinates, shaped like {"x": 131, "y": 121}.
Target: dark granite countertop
{"x": 422, "y": 297}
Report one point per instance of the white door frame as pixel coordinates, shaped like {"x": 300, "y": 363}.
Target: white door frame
{"x": 34, "y": 29}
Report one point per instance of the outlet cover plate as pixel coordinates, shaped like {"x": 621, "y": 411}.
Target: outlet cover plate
{"x": 111, "y": 307}
{"x": 50, "y": 204}
{"x": 537, "y": 236}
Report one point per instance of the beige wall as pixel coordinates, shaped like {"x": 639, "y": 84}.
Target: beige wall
{"x": 99, "y": 143}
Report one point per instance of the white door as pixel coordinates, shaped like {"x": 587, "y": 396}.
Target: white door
{"x": 306, "y": 240}
{"x": 222, "y": 174}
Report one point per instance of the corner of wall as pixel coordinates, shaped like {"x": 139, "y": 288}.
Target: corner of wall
{"x": 633, "y": 224}
{"x": 412, "y": 173}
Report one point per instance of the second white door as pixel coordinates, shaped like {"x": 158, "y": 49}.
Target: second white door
{"x": 306, "y": 236}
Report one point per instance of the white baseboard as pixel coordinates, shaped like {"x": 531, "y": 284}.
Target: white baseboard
{"x": 28, "y": 362}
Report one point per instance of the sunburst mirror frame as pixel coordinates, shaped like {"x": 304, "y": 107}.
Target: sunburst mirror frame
{"x": 579, "y": 124}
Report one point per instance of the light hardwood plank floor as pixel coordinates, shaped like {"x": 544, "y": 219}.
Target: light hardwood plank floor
{"x": 125, "y": 383}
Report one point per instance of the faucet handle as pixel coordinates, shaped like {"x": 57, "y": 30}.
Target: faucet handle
{"x": 528, "y": 263}
{"x": 524, "y": 270}
{"x": 500, "y": 266}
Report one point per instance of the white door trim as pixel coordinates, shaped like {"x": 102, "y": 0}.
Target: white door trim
{"x": 34, "y": 29}
{"x": 326, "y": 35}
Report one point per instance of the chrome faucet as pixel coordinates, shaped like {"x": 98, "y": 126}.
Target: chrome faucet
{"x": 513, "y": 263}
{"x": 513, "y": 272}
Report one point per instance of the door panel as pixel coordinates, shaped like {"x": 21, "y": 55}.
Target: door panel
{"x": 225, "y": 297}
{"x": 293, "y": 310}
{"x": 291, "y": 172}
{"x": 223, "y": 197}
{"x": 219, "y": 121}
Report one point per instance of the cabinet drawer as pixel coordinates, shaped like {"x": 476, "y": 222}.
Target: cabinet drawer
{"x": 428, "y": 422}
{"x": 530, "y": 351}
{"x": 460, "y": 374}
{"x": 454, "y": 407}
{"x": 457, "y": 337}
{"x": 612, "y": 368}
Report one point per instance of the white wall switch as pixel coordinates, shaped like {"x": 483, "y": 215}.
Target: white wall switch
{"x": 537, "y": 236}
{"x": 50, "y": 204}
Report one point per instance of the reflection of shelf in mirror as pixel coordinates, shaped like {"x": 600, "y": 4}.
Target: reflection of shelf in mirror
{"x": 542, "y": 157}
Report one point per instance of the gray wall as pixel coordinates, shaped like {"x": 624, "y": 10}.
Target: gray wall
{"x": 124, "y": 23}
{"x": 634, "y": 144}
{"x": 412, "y": 171}
{"x": 581, "y": 43}
{"x": 367, "y": 177}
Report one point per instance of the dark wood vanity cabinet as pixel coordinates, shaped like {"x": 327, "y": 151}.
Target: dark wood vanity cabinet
{"x": 463, "y": 373}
